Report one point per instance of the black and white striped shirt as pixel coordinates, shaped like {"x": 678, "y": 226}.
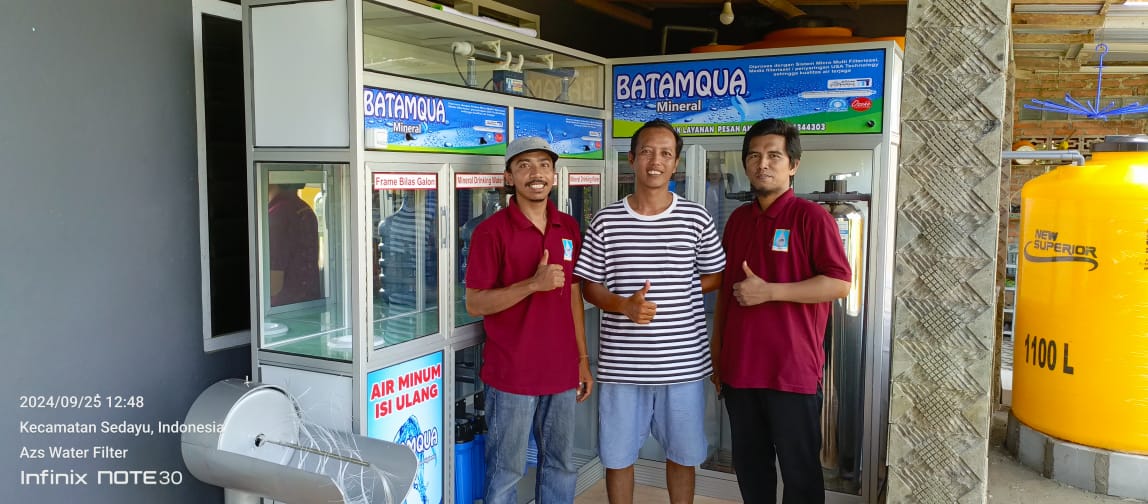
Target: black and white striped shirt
{"x": 622, "y": 250}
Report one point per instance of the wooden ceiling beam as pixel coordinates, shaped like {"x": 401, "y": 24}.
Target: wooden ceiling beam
{"x": 652, "y": 4}
{"x": 1046, "y": 64}
{"x": 783, "y": 7}
{"x": 1064, "y": 21}
{"x": 1097, "y": 3}
{"x": 855, "y": 4}
{"x": 1021, "y": 53}
{"x": 620, "y": 13}
{"x": 1052, "y": 38}
{"x": 1107, "y": 4}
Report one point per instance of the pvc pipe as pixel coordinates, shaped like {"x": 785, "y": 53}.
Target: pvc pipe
{"x": 1067, "y": 155}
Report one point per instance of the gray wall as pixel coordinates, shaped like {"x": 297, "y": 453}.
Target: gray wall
{"x": 99, "y": 271}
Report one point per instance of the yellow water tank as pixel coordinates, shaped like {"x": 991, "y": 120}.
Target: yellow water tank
{"x": 1080, "y": 358}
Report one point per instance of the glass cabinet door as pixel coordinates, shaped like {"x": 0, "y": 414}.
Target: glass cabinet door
{"x": 727, "y": 187}
{"x": 404, "y": 219}
{"x": 584, "y": 196}
{"x": 303, "y": 264}
{"x": 477, "y": 197}
{"x": 583, "y": 190}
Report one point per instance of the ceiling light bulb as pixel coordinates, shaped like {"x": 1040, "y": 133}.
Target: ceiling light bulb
{"x": 726, "y": 16}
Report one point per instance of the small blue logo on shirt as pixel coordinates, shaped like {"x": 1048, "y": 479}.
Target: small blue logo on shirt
{"x": 568, "y": 249}
{"x": 781, "y": 240}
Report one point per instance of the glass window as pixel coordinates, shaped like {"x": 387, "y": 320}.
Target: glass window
{"x": 477, "y": 197}
{"x": 303, "y": 261}
{"x": 405, "y": 300}
{"x": 401, "y": 43}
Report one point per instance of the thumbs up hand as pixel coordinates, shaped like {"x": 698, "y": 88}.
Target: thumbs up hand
{"x": 548, "y": 276}
{"x": 753, "y": 290}
{"x": 637, "y": 308}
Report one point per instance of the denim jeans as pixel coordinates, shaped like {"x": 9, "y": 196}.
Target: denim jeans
{"x": 509, "y": 420}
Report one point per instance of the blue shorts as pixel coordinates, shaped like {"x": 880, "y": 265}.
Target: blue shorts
{"x": 674, "y": 414}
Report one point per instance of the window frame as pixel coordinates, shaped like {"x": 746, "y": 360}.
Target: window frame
{"x": 211, "y": 341}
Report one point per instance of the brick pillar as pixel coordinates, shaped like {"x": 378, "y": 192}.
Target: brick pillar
{"x": 956, "y": 66}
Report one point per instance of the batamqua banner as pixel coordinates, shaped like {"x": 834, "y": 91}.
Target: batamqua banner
{"x": 822, "y": 93}
{"x": 408, "y": 122}
{"x": 571, "y": 136}
{"x": 405, "y": 406}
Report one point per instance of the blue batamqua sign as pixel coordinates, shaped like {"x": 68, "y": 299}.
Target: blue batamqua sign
{"x": 408, "y": 122}
{"x": 571, "y": 136}
{"x": 404, "y": 405}
{"x": 827, "y": 93}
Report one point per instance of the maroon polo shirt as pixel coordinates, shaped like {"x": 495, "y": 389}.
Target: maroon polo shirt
{"x": 778, "y": 345}
{"x": 530, "y": 347}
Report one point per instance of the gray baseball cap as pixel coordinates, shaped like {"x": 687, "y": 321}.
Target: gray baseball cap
{"x": 527, "y": 144}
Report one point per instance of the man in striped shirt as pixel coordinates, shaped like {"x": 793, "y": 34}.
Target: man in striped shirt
{"x": 646, "y": 260}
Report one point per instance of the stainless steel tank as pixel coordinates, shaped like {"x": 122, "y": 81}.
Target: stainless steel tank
{"x": 842, "y": 419}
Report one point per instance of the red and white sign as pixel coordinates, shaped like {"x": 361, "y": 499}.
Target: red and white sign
{"x": 861, "y": 104}
{"x": 479, "y": 180}
{"x": 585, "y": 179}
{"x": 406, "y": 181}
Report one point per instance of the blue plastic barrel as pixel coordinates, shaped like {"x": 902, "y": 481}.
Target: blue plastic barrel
{"x": 479, "y": 465}
{"x": 464, "y": 456}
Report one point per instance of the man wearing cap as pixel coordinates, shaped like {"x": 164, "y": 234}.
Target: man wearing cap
{"x": 535, "y": 367}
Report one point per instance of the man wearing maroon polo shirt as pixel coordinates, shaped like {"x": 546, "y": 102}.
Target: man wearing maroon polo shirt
{"x": 785, "y": 263}
{"x": 535, "y": 367}
{"x": 293, "y": 236}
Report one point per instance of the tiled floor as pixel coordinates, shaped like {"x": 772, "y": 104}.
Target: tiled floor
{"x": 1009, "y": 483}
{"x": 642, "y": 495}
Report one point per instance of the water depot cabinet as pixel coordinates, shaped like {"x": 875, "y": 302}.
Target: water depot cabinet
{"x": 376, "y": 148}
{"x": 377, "y": 145}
